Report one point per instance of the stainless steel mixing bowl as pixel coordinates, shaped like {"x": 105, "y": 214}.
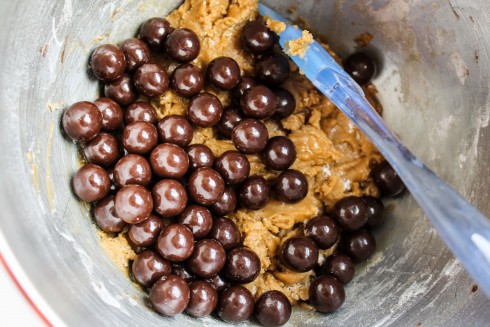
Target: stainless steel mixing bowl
{"x": 434, "y": 85}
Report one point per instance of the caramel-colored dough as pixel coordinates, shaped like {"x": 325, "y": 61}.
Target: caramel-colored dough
{"x": 299, "y": 46}
{"x": 333, "y": 154}
{"x": 274, "y": 25}
{"x": 118, "y": 249}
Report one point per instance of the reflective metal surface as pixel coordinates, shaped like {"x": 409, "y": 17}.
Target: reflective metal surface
{"x": 434, "y": 85}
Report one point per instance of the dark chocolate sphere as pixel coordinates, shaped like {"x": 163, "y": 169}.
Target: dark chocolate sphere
{"x": 82, "y": 121}
{"x": 254, "y": 193}
{"x": 273, "y": 309}
{"x": 170, "y": 295}
{"x": 107, "y": 62}
{"x": 291, "y": 186}
{"x": 203, "y": 300}
{"x": 91, "y": 183}
{"x": 351, "y": 213}
{"x": 235, "y": 304}
{"x": 387, "y": 179}
{"x": 242, "y": 265}
{"x": 208, "y": 258}
{"x": 206, "y": 186}
{"x": 299, "y": 253}
{"x": 223, "y": 73}
{"x": 182, "y": 45}
{"x": 257, "y": 38}
{"x": 175, "y": 243}
{"x": 359, "y": 245}
{"x": 279, "y": 153}
{"x": 326, "y": 294}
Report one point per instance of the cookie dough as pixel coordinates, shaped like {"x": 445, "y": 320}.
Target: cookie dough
{"x": 299, "y": 46}
{"x": 333, "y": 154}
{"x": 275, "y": 26}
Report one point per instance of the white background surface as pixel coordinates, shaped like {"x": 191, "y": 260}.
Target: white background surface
{"x": 14, "y": 308}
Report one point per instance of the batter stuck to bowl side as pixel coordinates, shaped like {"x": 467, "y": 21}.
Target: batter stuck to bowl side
{"x": 341, "y": 171}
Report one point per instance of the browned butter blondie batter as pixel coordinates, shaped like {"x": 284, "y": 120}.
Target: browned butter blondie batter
{"x": 220, "y": 177}
{"x": 333, "y": 154}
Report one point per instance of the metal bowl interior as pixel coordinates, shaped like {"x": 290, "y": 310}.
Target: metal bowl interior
{"x": 433, "y": 83}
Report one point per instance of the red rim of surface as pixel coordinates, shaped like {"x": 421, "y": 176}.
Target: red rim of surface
{"x": 24, "y": 293}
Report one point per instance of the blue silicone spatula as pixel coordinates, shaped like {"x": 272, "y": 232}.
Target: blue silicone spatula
{"x": 465, "y": 230}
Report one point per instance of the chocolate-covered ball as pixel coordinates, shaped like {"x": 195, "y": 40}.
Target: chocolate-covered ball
{"x": 136, "y": 53}
{"x": 244, "y": 84}
{"x": 175, "y": 242}
{"x": 299, "y": 253}
{"x": 155, "y": 31}
{"x": 359, "y": 245}
{"x": 219, "y": 282}
{"x": 169, "y": 197}
{"x": 132, "y": 169}
{"x": 257, "y": 38}
{"x": 226, "y": 232}
{"x": 387, "y": 179}
{"x": 259, "y": 102}
{"x": 169, "y": 161}
{"x": 272, "y": 69}
{"x": 285, "y": 103}
{"x": 139, "y": 137}
{"x": 208, "y": 258}
{"x": 200, "y": 156}
{"x": 170, "y": 295}
{"x": 181, "y": 270}
{"x": 223, "y": 73}
{"x": 140, "y": 111}
{"x": 206, "y": 186}
{"x": 226, "y": 204}
{"x": 361, "y": 67}
{"x": 242, "y": 265}
{"x": 182, "y": 45}
{"x": 105, "y": 216}
{"x": 250, "y": 136}
{"x": 82, "y": 121}
{"x": 375, "y": 211}
{"x": 176, "y": 130}
{"x": 146, "y": 233}
{"x": 279, "y": 153}
{"x": 121, "y": 90}
{"x": 198, "y": 219}
{"x": 91, "y": 183}
{"x": 112, "y": 114}
{"x": 230, "y": 118}
{"x": 235, "y": 304}
{"x": 148, "y": 267}
{"x": 107, "y": 62}
{"x": 273, "y": 309}
{"x": 204, "y": 110}
{"x": 187, "y": 80}
{"x": 102, "y": 150}
{"x": 339, "y": 266}
{"x": 203, "y": 300}
{"x": 323, "y": 231}
{"x": 133, "y": 203}
{"x": 233, "y": 166}
{"x": 151, "y": 80}
{"x": 254, "y": 193}
{"x": 351, "y": 213}
{"x": 326, "y": 294}
{"x": 291, "y": 186}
